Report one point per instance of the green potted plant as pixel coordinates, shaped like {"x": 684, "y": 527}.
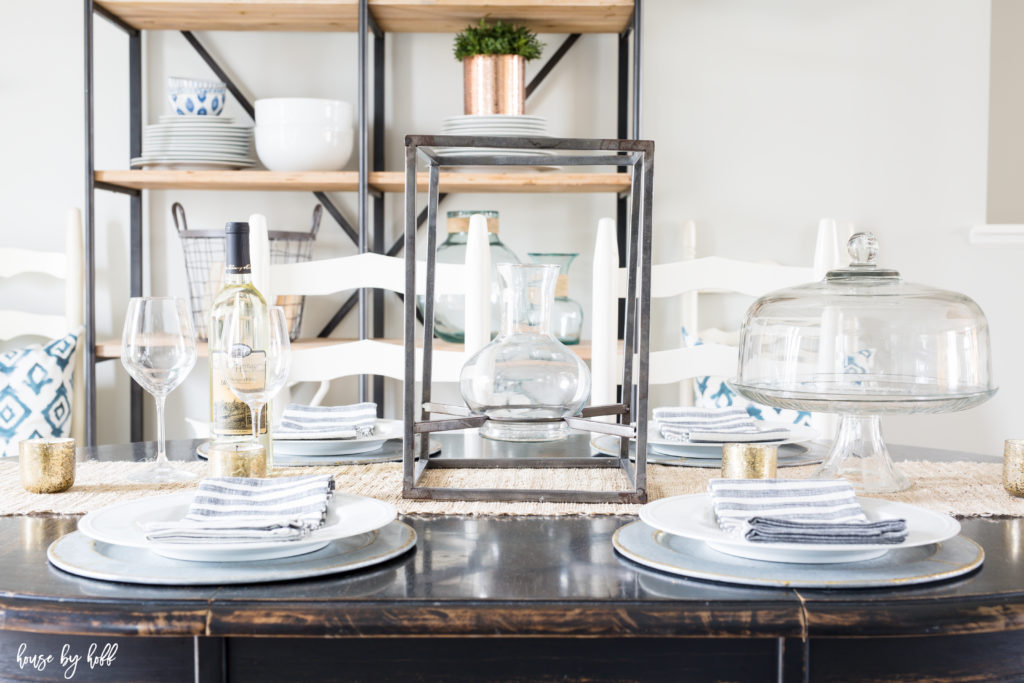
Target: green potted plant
{"x": 494, "y": 66}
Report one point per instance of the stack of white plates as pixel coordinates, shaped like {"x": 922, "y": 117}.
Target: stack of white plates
{"x": 195, "y": 142}
{"x": 496, "y": 125}
{"x": 111, "y": 545}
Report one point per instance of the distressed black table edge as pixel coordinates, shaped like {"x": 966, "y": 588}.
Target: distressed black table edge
{"x": 529, "y": 579}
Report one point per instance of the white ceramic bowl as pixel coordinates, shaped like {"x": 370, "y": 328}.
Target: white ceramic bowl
{"x": 304, "y": 111}
{"x": 298, "y": 147}
{"x": 193, "y": 97}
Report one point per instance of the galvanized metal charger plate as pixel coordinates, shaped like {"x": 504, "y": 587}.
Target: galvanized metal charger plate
{"x": 78, "y": 554}
{"x": 790, "y": 455}
{"x": 391, "y": 451}
{"x": 686, "y": 557}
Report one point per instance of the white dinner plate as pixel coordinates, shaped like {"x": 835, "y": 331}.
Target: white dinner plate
{"x": 150, "y": 151}
{"x": 798, "y": 434}
{"x": 712, "y": 450}
{"x": 207, "y": 134}
{"x": 494, "y": 118}
{"x": 497, "y": 130}
{"x": 77, "y": 554}
{"x": 691, "y": 516}
{"x": 122, "y": 524}
{"x": 391, "y": 451}
{"x": 708, "y": 455}
{"x": 187, "y": 120}
{"x": 195, "y": 156}
{"x": 382, "y": 431}
{"x": 189, "y": 165}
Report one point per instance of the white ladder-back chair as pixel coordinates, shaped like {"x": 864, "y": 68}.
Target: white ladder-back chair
{"x": 69, "y": 266}
{"x": 370, "y": 357}
{"x": 686, "y": 279}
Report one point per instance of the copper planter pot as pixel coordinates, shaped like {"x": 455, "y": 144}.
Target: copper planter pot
{"x": 494, "y": 84}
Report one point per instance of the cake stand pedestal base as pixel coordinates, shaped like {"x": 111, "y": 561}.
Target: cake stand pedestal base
{"x": 860, "y": 456}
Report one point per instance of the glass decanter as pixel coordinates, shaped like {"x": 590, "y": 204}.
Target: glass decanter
{"x": 566, "y": 314}
{"x": 525, "y": 380}
{"x": 450, "y": 309}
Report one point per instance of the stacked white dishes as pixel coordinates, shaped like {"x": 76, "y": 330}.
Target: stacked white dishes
{"x": 195, "y": 142}
{"x": 496, "y": 125}
{"x": 680, "y": 535}
{"x": 124, "y": 524}
{"x": 304, "y": 134}
{"x": 111, "y": 545}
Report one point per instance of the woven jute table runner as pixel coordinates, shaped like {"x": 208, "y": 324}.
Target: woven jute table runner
{"x": 964, "y": 489}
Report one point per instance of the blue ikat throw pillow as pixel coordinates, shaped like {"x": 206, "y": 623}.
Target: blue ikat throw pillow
{"x": 35, "y": 392}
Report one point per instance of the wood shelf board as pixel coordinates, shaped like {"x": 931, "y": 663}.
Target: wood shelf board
{"x": 336, "y": 181}
{"x": 348, "y": 181}
{"x": 515, "y": 181}
{"x": 109, "y": 349}
{"x": 236, "y": 15}
{"x": 418, "y": 16}
{"x": 542, "y": 16}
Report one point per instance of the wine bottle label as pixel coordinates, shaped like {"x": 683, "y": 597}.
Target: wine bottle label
{"x": 230, "y": 416}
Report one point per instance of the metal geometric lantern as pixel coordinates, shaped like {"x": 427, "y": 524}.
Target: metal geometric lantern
{"x": 631, "y": 414}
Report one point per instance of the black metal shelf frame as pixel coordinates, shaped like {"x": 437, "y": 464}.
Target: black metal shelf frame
{"x": 371, "y": 158}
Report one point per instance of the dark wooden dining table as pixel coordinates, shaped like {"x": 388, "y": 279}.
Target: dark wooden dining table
{"x": 505, "y": 598}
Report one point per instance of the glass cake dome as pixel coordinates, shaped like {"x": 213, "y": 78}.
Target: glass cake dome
{"x": 862, "y": 343}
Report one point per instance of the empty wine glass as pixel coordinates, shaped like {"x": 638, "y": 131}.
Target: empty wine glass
{"x": 158, "y": 349}
{"x": 256, "y": 360}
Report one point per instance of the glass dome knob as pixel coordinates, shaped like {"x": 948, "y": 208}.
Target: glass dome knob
{"x": 863, "y": 248}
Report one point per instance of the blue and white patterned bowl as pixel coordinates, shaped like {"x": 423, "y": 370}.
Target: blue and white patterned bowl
{"x": 191, "y": 97}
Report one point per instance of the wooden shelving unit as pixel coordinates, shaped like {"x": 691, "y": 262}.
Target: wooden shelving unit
{"x": 370, "y": 20}
{"x": 393, "y": 16}
{"x": 348, "y": 181}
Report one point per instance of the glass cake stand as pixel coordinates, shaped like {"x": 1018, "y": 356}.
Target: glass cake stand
{"x": 859, "y": 453}
{"x": 863, "y": 343}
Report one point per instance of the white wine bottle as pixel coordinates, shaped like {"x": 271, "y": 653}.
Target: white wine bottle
{"x": 238, "y": 301}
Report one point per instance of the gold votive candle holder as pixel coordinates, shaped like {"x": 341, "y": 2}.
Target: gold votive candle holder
{"x": 749, "y": 461}
{"x": 1013, "y": 467}
{"x": 237, "y": 460}
{"x": 47, "y": 465}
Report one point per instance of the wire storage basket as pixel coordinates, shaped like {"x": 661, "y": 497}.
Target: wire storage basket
{"x": 204, "y": 265}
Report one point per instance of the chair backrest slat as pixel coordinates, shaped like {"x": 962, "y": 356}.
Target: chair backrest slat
{"x": 687, "y": 278}
{"x": 368, "y": 270}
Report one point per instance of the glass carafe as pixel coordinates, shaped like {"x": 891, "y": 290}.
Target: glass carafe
{"x": 450, "y": 309}
{"x": 525, "y": 380}
{"x": 566, "y": 313}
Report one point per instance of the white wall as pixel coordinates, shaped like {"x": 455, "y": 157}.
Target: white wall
{"x": 767, "y": 116}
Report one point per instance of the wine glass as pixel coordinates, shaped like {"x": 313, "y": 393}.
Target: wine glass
{"x": 256, "y": 361}
{"x": 158, "y": 349}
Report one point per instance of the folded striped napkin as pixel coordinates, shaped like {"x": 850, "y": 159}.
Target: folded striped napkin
{"x": 712, "y": 425}
{"x": 327, "y": 422}
{"x": 798, "y": 511}
{"x": 241, "y": 510}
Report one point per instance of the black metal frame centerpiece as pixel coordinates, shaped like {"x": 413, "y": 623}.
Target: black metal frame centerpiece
{"x": 634, "y": 156}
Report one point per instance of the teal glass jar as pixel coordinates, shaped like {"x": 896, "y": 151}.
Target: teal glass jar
{"x": 566, "y": 313}
{"x": 450, "y": 309}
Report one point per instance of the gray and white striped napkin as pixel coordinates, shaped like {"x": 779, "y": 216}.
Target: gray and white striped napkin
{"x": 327, "y": 422}
{"x": 798, "y": 511}
{"x": 715, "y": 425}
{"x": 242, "y": 510}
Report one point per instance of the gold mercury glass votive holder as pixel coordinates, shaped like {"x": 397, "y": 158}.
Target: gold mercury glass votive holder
{"x": 1013, "y": 467}
{"x": 237, "y": 460}
{"x": 47, "y": 465}
{"x": 749, "y": 461}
